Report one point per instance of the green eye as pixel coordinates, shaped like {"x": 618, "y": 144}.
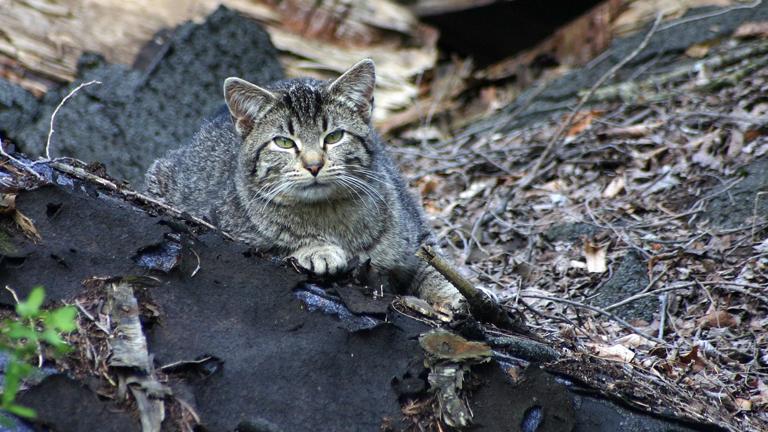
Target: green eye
{"x": 334, "y": 137}
{"x": 284, "y": 142}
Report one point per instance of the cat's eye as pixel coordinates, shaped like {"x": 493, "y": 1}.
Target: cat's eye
{"x": 334, "y": 137}
{"x": 284, "y": 142}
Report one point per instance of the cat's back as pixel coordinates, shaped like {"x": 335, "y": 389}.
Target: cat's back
{"x": 194, "y": 176}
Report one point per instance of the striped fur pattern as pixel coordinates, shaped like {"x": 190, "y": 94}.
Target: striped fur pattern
{"x": 295, "y": 169}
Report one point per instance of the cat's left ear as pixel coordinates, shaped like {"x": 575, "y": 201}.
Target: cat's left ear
{"x": 355, "y": 87}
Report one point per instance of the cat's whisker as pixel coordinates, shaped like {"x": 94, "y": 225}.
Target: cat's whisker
{"x": 349, "y": 187}
{"x": 368, "y": 174}
{"x": 366, "y": 189}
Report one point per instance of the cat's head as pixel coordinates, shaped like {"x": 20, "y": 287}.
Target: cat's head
{"x": 305, "y": 139}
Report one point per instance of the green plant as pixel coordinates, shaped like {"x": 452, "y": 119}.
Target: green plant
{"x": 22, "y": 339}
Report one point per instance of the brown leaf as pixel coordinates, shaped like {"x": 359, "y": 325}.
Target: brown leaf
{"x": 697, "y": 363}
{"x": 582, "y": 122}
{"x": 701, "y": 49}
{"x": 26, "y": 225}
{"x": 719, "y": 319}
{"x": 743, "y": 404}
{"x": 595, "y": 256}
{"x": 446, "y": 345}
{"x": 7, "y": 203}
{"x": 614, "y": 187}
{"x": 752, "y": 29}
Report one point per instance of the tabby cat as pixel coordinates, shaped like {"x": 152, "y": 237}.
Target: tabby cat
{"x": 296, "y": 169}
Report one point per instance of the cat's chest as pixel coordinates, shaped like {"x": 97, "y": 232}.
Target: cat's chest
{"x": 341, "y": 223}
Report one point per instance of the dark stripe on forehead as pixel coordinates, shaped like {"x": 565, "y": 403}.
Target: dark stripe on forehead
{"x": 303, "y": 102}
{"x": 290, "y": 126}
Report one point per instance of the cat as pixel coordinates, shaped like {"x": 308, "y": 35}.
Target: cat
{"x": 296, "y": 169}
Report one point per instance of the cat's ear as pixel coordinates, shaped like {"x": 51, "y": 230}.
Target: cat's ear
{"x": 355, "y": 87}
{"x": 246, "y": 102}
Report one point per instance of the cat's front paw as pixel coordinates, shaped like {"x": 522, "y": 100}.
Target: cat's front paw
{"x": 321, "y": 260}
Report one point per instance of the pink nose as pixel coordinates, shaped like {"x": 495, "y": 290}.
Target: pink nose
{"x": 314, "y": 167}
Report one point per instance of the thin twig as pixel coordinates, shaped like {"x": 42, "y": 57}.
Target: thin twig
{"x": 648, "y": 294}
{"x": 481, "y": 304}
{"x": 13, "y": 293}
{"x": 739, "y": 288}
{"x": 603, "y": 312}
{"x": 55, "y": 111}
{"x": 92, "y": 318}
{"x": 719, "y": 12}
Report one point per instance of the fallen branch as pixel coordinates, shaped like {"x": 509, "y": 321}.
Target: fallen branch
{"x": 127, "y": 193}
{"x": 482, "y": 306}
{"x": 525, "y": 349}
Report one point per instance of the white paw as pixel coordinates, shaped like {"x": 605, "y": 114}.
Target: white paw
{"x": 325, "y": 259}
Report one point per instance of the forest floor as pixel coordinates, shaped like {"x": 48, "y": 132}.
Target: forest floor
{"x": 630, "y": 231}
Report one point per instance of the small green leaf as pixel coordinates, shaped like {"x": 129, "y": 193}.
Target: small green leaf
{"x": 31, "y": 306}
{"x": 19, "y": 331}
{"x": 21, "y": 411}
{"x": 52, "y": 337}
{"x": 10, "y": 388}
{"x": 63, "y": 319}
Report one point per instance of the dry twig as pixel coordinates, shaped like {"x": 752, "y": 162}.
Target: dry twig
{"x": 55, "y": 111}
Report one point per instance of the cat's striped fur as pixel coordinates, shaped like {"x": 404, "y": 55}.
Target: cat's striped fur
{"x": 296, "y": 169}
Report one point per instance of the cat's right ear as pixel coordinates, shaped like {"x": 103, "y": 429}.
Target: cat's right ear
{"x": 246, "y": 102}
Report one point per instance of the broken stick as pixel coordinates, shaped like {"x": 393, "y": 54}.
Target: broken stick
{"x": 482, "y": 306}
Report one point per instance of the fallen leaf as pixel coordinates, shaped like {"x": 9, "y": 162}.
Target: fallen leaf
{"x": 26, "y": 225}
{"x": 719, "y": 319}
{"x": 446, "y": 345}
{"x": 752, "y": 29}
{"x": 614, "y": 187}
{"x": 427, "y": 184}
{"x": 701, "y": 49}
{"x": 693, "y": 358}
{"x": 634, "y": 341}
{"x": 735, "y": 143}
{"x": 582, "y": 122}
{"x": 595, "y": 255}
{"x": 618, "y": 353}
{"x": 7, "y": 203}
{"x": 634, "y": 131}
{"x": 476, "y": 188}
{"x": 743, "y": 404}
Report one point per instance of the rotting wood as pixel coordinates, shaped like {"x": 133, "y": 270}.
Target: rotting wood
{"x": 316, "y": 38}
{"x": 129, "y": 346}
{"x": 131, "y": 355}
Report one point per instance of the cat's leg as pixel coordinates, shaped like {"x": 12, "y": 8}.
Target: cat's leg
{"x": 322, "y": 258}
{"x": 433, "y": 287}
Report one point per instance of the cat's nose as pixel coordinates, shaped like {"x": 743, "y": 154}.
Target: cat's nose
{"x": 314, "y": 166}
